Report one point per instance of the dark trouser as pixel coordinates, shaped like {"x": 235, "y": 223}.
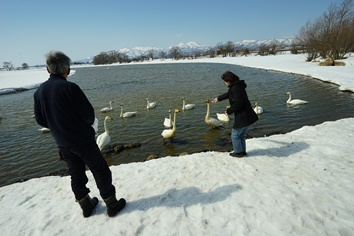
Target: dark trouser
{"x": 77, "y": 157}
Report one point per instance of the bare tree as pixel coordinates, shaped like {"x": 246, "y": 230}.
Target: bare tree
{"x": 229, "y": 47}
{"x": 263, "y": 50}
{"x": 175, "y": 52}
{"x": 151, "y": 53}
{"x": 7, "y": 65}
{"x": 163, "y": 55}
{"x": 245, "y": 51}
{"x": 221, "y": 50}
{"x": 330, "y": 36}
{"x": 336, "y": 23}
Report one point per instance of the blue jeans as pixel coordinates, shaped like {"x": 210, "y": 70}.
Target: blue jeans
{"x": 238, "y": 137}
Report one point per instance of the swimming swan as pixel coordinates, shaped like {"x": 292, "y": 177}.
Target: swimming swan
{"x": 150, "y": 104}
{"x": 126, "y": 114}
{"x": 257, "y": 109}
{"x": 104, "y": 139}
{"x": 107, "y": 109}
{"x": 168, "y": 121}
{"x": 170, "y": 133}
{"x": 295, "y": 101}
{"x": 186, "y": 106}
{"x": 209, "y": 120}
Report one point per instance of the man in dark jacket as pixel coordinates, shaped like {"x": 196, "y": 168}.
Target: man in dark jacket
{"x": 241, "y": 107}
{"x": 62, "y": 107}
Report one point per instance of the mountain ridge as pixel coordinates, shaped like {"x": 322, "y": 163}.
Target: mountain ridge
{"x": 193, "y": 47}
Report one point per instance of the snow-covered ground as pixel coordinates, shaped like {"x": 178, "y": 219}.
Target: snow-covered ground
{"x": 299, "y": 183}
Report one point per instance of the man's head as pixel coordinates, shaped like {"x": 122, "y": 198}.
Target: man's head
{"x": 58, "y": 63}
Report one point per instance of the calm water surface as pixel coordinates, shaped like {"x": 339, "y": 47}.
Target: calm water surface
{"x": 26, "y": 153}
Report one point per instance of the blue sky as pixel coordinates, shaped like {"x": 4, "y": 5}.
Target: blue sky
{"x": 29, "y": 29}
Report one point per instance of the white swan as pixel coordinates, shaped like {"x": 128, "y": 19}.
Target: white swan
{"x": 257, "y": 109}
{"x": 150, "y": 104}
{"x": 170, "y": 133}
{"x": 44, "y": 130}
{"x": 209, "y": 120}
{"x": 186, "y": 106}
{"x": 126, "y": 114}
{"x": 104, "y": 139}
{"x": 107, "y": 109}
{"x": 295, "y": 101}
{"x": 168, "y": 121}
{"x": 223, "y": 117}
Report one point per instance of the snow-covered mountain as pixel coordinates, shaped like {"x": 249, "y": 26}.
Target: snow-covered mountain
{"x": 191, "y": 48}
{"x": 255, "y": 44}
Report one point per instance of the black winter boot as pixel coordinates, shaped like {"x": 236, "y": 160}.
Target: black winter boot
{"x": 88, "y": 205}
{"x": 114, "y": 206}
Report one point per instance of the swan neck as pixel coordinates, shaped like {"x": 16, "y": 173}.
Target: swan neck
{"x": 289, "y": 97}
{"x": 121, "y": 111}
{"x": 105, "y": 126}
{"x": 174, "y": 121}
{"x": 207, "y": 114}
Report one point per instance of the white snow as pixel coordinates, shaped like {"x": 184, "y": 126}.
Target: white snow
{"x": 299, "y": 183}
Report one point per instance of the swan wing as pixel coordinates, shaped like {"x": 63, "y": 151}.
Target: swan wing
{"x": 106, "y": 109}
{"x": 167, "y": 123}
{"x": 213, "y": 122}
{"x": 168, "y": 133}
{"x": 222, "y": 117}
{"x": 152, "y": 104}
{"x": 103, "y": 140}
{"x": 258, "y": 110}
{"x": 297, "y": 101}
{"x": 129, "y": 114}
{"x": 189, "y": 106}
{"x": 44, "y": 130}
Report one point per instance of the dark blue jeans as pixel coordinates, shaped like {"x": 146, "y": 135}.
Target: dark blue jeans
{"x": 238, "y": 137}
{"x": 77, "y": 158}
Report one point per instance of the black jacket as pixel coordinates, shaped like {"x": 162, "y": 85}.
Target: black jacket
{"x": 239, "y": 105}
{"x": 62, "y": 107}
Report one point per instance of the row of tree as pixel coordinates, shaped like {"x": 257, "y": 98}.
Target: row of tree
{"x": 229, "y": 49}
{"x": 7, "y": 65}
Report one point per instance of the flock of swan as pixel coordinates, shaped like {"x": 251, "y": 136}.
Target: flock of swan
{"x": 169, "y": 133}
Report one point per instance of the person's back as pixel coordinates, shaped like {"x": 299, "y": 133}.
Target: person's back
{"x": 68, "y": 112}
{"x": 62, "y": 107}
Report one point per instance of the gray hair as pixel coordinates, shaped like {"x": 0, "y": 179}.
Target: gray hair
{"x": 57, "y": 62}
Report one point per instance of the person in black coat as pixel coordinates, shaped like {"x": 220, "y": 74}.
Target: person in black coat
{"x": 62, "y": 107}
{"x": 241, "y": 107}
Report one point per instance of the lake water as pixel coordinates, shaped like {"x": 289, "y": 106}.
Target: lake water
{"x": 26, "y": 153}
